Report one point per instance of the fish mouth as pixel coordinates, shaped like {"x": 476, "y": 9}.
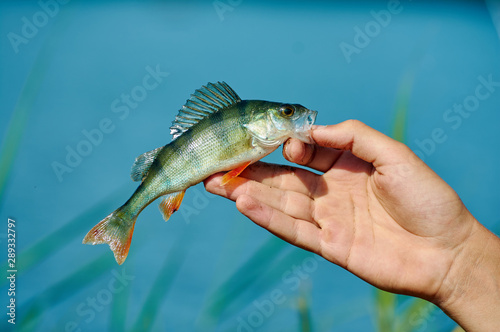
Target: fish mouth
{"x": 311, "y": 117}
{"x": 304, "y": 134}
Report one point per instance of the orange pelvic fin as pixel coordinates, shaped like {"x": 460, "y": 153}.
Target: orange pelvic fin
{"x": 233, "y": 173}
{"x": 115, "y": 230}
{"x": 171, "y": 203}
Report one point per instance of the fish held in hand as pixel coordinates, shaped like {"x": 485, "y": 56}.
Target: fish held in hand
{"x": 214, "y": 131}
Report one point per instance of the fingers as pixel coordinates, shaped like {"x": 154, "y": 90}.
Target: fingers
{"x": 292, "y": 203}
{"x": 277, "y": 176}
{"x": 284, "y": 213}
{"x": 295, "y": 231}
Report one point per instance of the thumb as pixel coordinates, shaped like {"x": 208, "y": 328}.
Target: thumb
{"x": 363, "y": 141}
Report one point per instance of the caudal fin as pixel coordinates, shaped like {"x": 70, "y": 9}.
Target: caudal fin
{"x": 115, "y": 230}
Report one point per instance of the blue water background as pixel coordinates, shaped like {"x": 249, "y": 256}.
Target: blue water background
{"x": 90, "y": 53}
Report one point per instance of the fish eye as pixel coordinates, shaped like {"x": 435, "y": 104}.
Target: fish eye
{"x": 287, "y": 110}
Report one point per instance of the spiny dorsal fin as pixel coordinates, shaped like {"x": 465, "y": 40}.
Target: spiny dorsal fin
{"x": 141, "y": 165}
{"x": 204, "y": 101}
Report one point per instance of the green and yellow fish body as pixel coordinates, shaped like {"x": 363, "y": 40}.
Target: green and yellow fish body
{"x": 214, "y": 131}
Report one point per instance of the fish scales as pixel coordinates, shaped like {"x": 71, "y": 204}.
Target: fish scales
{"x": 215, "y": 131}
{"x": 214, "y": 144}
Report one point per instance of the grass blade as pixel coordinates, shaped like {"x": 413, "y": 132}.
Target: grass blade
{"x": 24, "y": 105}
{"x": 415, "y": 316}
{"x": 59, "y": 238}
{"x": 304, "y": 310}
{"x": 386, "y": 302}
{"x": 244, "y": 276}
{"x": 164, "y": 281}
{"x": 119, "y": 308}
{"x": 59, "y": 292}
{"x": 401, "y": 107}
{"x": 385, "y": 305}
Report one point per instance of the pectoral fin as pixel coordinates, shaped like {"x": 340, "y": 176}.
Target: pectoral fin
{"x": 171, "y": 203}
{"x": 234, "y": 173}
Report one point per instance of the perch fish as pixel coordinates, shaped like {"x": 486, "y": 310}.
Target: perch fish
{"x": 214, "y": 131}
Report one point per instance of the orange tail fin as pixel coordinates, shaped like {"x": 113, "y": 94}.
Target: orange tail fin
{"x": 115, "y": 230}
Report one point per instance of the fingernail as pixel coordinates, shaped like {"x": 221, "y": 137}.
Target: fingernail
{"x": 285, "y": 149}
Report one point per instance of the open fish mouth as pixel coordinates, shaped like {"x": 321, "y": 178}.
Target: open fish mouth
{"x": 304, "y": 133}
{"x": 311, "y": 117}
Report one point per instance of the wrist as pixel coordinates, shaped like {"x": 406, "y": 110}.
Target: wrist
{"x": 470, "y": 292}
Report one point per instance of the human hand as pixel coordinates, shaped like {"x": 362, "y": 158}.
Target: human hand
{"x": 377, "y": 210}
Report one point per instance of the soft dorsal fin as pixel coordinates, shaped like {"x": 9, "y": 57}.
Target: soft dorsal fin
{"x": 204, "y": 101}
{"x": 141, "y": 165}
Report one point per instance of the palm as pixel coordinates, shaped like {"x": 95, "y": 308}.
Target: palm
{"x": 378, "y": 226}
{"x": 375, "y": 218}
{"x": 379, "y": 212}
